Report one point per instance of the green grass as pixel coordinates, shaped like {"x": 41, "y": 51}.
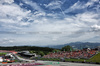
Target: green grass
{"x": 95, "y": 58}
{"x": 3, "y": 54}
{"x": 51, "y": 59}
{"x": 75, "y": 60}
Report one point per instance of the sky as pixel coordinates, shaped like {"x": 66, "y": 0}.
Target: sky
{"x": 49, "y": 22}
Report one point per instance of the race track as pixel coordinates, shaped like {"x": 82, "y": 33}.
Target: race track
{"x": 48, "y": 63}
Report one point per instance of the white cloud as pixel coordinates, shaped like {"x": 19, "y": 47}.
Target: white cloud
{"x": 50, "y": 30}
{"x": 33, "y": 5}
{"x": 7, "y": 1}
{"x": 13, "y": 10}
{"x": 37, "y": 14}
{"x": 21, "y": 4}
{"x": 6, "y": 41}
{"x": 96, "y": 27}
{"x": 12, "y": 16}
{"x": 77, "y": 5}
{"x": 81, "y": 5}
{"x": 91, "y": 2}
{"x": 86, "y": 17}
{"x": 54, "y": 5}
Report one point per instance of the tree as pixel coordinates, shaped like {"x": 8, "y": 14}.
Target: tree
{"x": 55, "y": 50}
{"x": 67, "y": 48}
{"x": 41, "y": 53}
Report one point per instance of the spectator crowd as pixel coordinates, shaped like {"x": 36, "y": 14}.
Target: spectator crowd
{"x": 72, "y": 54}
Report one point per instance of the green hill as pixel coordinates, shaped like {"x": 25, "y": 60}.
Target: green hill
{"x": 96, "y": 58}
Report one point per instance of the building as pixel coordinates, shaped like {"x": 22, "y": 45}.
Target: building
{"x": 9, "y": 56}
{"x": 27, "y": 54}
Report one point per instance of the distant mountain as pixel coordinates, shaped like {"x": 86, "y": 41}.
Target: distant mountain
{"x": 77, "y": 45}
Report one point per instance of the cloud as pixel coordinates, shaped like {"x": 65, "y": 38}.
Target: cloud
{"x": 38, "y": 27}
{"x": 86, "y": 17}
{"x": 6, "y": 41}
{"x": 91, "y": 2}
{"x": 81, "y": 6}
{"x": 7, "y": 1}
{"x": 95, "y": 28}
{"x": 33, "y": 5}
{"x": 54, "y": 4}
{"x": 13, "y": 15}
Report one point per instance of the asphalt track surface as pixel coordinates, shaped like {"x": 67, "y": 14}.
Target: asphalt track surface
{"x": 53, "y": 63}
{"x": 45, "y": 63}
{"x": 22, "y": 59}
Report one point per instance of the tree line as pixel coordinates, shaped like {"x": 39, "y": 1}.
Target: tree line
{"x": 38, "y": 50}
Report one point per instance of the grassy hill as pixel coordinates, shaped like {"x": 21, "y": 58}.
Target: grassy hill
{"x": 95, "y": 58}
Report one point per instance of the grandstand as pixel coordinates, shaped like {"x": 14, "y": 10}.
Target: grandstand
{"x": 83, "y": 54}
{"x": 14, "y": 52}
